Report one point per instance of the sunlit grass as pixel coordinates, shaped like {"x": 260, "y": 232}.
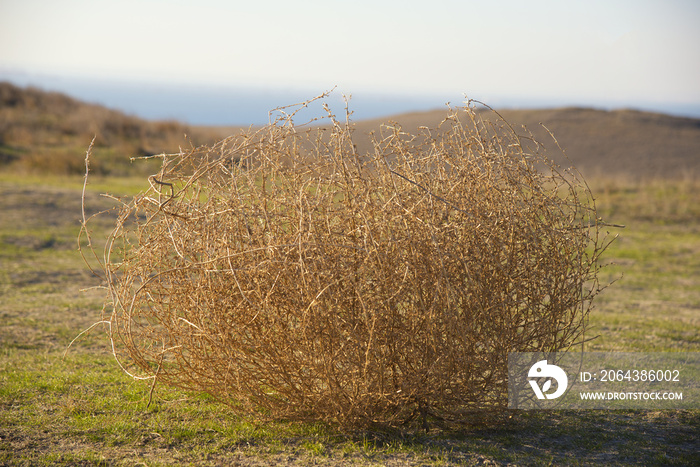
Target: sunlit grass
{"x": 117, "y": 186}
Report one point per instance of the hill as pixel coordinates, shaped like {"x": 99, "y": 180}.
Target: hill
{"x": 49, "y": 132}
{"x": 626, "y": 143}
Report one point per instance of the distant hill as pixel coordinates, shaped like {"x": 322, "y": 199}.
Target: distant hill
{"x": 620, "y": 142}
{"x": 49, "y": 132}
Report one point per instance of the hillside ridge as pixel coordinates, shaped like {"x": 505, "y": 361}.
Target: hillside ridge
{"x": 625, "y": 142}
{"x": 42, "y": 130}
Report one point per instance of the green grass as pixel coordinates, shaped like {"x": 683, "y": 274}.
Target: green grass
{"x": 81, "y": 409}
{"x": 655, "y": 303}
{"x": 119, "y": 186}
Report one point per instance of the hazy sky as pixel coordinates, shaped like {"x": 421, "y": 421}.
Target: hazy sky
{"x": 576, "y": 51}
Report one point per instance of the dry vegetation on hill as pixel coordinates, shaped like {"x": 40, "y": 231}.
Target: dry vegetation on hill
{"x": 49, "y": 132}
{"x": 622, "y": 143}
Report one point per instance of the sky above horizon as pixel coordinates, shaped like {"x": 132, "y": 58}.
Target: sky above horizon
{"x": 574, "y": 52}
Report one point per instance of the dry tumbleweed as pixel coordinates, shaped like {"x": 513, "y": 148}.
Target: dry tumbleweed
{"x": 290, "y": 276}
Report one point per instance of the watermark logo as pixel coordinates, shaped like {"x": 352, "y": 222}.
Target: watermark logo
{"x": 603, "y": 380}
{"x": 542, "y": 369}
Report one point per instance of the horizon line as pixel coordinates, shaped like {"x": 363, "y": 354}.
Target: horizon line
{"x": 242, "y": 105}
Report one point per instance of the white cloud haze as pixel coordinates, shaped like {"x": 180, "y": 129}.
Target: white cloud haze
{"x": 570, "y": 51}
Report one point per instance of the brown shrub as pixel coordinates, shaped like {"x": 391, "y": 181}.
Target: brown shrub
{"x": 291, "y": 277}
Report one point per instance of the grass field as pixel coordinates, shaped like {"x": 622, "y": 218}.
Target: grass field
{"x": 78, "y": 408}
